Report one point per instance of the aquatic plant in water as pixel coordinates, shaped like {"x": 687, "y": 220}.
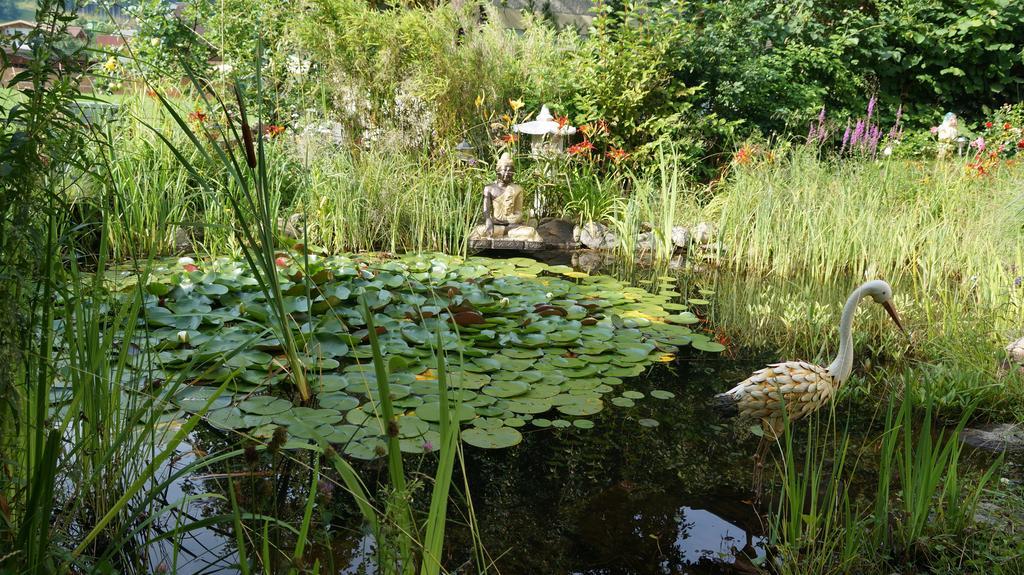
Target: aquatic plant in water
{"x": 521, "y": 339}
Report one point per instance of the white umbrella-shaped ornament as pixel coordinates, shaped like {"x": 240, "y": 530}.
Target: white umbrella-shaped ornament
{"x": 546, "y": 135}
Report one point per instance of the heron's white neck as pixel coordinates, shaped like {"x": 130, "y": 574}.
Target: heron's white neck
{"x": 842, "y": 366}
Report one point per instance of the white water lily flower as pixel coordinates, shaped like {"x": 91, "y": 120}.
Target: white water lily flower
{"x": 183, "y": 336}
{"x": 186, "y": 261}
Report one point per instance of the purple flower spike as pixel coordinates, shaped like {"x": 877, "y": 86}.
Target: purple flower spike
{"x": 871, "y": 107}
{"x": 874, "y": 134}
{"x": 858, "y": 133}
{"x": 846, "y": 138}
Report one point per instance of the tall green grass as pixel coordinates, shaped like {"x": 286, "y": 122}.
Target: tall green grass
{"x": 921, "y": 507}
{"x": 797, "y": 213}
{"x": 342, "y": 199}
{"x": 377, "y": 200}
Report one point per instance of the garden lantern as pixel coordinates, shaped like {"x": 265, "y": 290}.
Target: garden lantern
{"x": 465, "y": 152}
{"x": 961, "y": 143}
{"x": 547, "y": 135}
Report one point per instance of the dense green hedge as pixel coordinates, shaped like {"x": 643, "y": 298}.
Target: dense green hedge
{"x": 699, "y": 74}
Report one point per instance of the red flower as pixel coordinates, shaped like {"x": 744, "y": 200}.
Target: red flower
{"x": 1007, "y": 126}
{"x": 1020, "y": 144}
{"x": 151, "y": 93}
{"x": 190, "y": 267}
{"x": 583, "y": 147}
{"x": 273, "y": 130}
{"x": 742, "y": 155}
{"x": 562, "y": 121}
{"x": 586, "y": 129}
{"x": 988, "y": 124}
{"x": 616, "y": 154}
{"x": 197, "y": 116}
{"x": 281, "y": 262}
{"x": 509, "y": 138}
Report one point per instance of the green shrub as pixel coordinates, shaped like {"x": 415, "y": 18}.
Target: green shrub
{"x": 421, "y": 72}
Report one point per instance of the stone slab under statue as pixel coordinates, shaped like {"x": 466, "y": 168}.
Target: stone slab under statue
{"x": 504, "y": 226}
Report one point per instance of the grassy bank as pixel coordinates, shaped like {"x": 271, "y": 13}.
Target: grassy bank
{"x": 798, "y": 233}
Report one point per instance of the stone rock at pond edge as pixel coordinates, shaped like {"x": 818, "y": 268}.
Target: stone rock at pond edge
{"x": 293, "y": 227}
{"x": 995, "y": 437}
{"x": 589, "y": 261}
{"x": 1014, "y": 358}
{"x": 186, "y": 237}
{"x": 645, "y": 242}
{"x": 680, "y": 237}
{"x": 558, "y": 233}
{"x": 704, "y": 233}
{"x": 1016, "y": 351}
{"x": 597, "y": 236}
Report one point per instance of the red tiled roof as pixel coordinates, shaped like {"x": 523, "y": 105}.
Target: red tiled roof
{"x": 109, "y": 40}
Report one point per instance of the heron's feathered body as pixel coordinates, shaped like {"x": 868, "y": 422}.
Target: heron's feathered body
{"x": 802, "y": 387}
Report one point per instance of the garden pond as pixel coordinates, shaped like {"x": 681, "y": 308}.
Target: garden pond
{"x": 583, "y": 398}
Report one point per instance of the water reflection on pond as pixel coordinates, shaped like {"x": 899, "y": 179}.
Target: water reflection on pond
{"x": 621, "y": 498}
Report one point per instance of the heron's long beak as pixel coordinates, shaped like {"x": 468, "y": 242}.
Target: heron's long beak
{"x": 895, "y": 316}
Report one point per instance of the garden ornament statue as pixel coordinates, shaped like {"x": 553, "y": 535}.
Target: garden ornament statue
{"x": 547, "y": 139}
{"x": 947, "y": 133}
{"x": 547, "y": 135}
{"x": 503, "y": 208}
{"x": 795, "y": 389}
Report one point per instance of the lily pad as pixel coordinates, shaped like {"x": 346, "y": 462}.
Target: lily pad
{"x": 265, "y": 405}
{"x": 496, "y": 438}
{"x": 707, "y": 345}
{"x": 623, "y": 402}
{"x": 530, "y": 406}
{"x": 232, "y": 418}
{"x": 581, "y": 406}
{"x": 506, "y": 388}
{"x": 432, "y": 412}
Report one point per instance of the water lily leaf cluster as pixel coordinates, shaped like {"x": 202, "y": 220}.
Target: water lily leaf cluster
{"x": 525, "y": 345}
